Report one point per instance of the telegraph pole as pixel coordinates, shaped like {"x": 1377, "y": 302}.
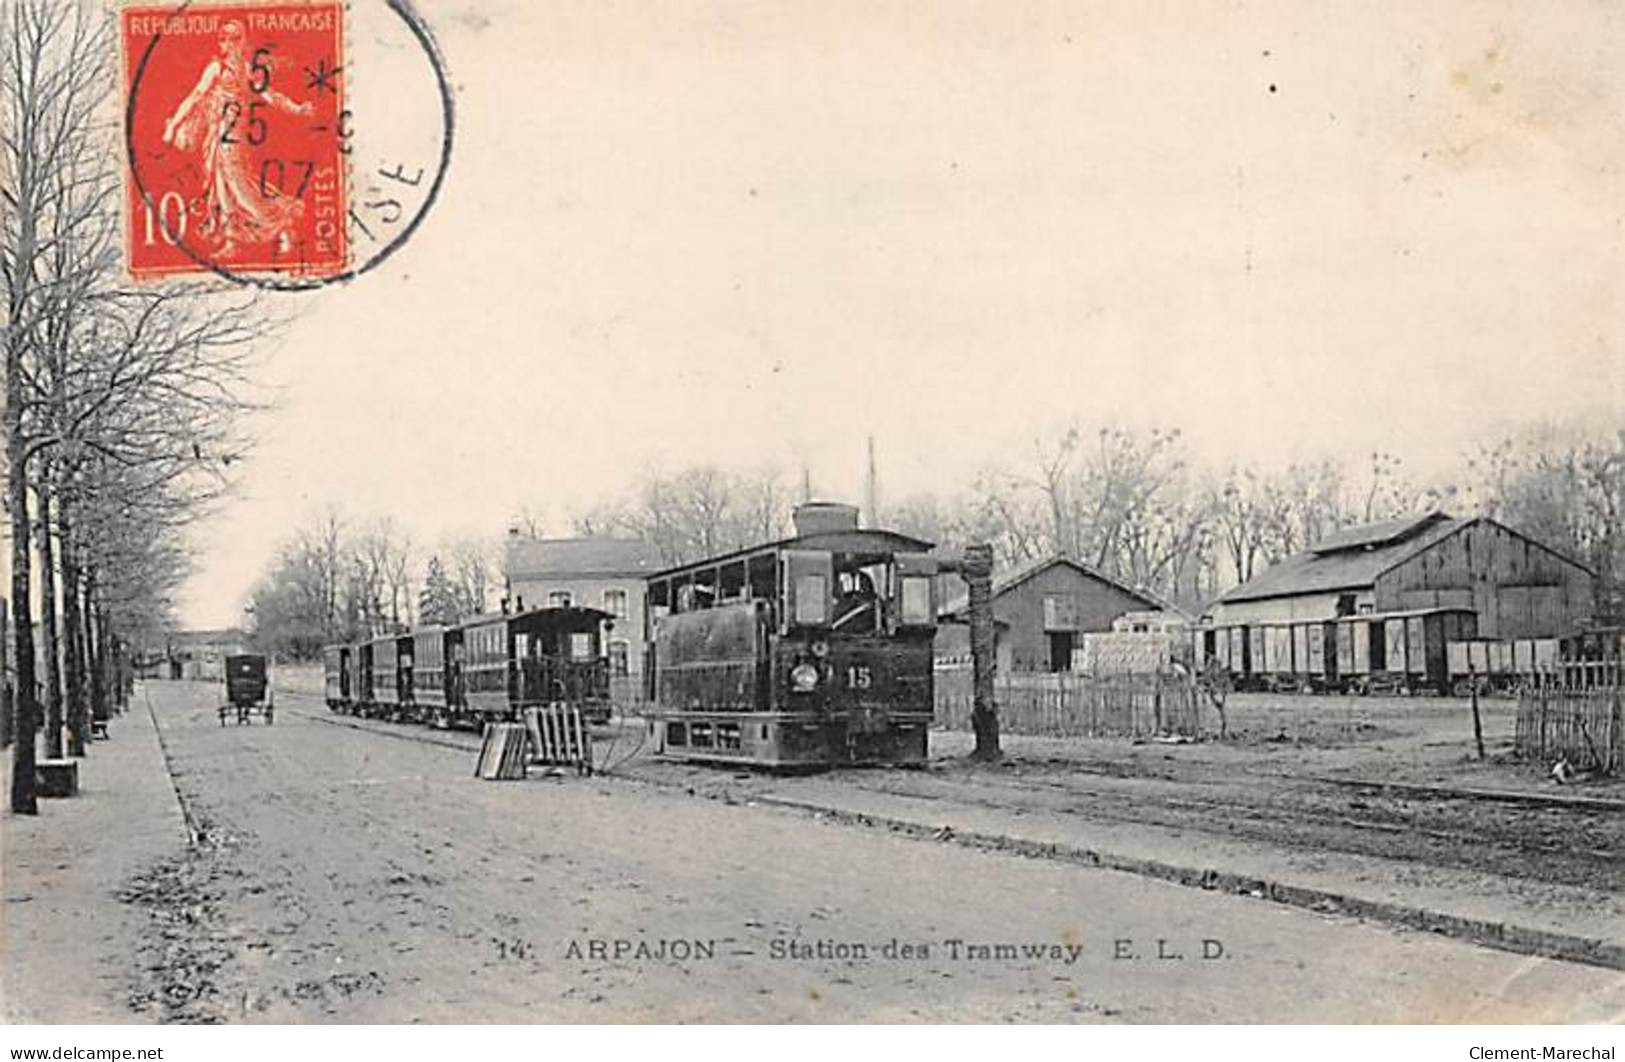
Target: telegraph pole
{"x": 975, "y": 566}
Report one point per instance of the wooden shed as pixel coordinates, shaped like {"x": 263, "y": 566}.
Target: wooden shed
{"x": 1041, "y": 610}
{"x": 1518, "y": 587}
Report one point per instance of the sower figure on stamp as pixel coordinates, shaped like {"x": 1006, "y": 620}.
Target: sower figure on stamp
{"x": 217, "y": 119}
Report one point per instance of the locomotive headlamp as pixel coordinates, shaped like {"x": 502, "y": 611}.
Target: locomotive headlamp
{"x": 820, "y": 649}
{"x": 803, "y": 677}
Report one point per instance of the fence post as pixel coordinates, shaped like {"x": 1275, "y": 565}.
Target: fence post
{"x": 1541, "y": 741}
{"x": 1478, "y": 725}
{"x": 1617, "y": 746}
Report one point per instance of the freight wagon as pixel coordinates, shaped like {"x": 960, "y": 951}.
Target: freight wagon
{"x": 1397, "y": 652}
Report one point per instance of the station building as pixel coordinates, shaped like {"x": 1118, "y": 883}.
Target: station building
{"x": 597, "y": 572}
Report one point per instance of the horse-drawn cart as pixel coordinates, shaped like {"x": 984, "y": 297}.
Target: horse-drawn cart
{"x": 247, "y": 690}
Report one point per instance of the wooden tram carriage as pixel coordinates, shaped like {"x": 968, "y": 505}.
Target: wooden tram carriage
{"x": 488, "y": 669}
{"x": 1370, "y": 652}
{"x": 436, "y": 674}
{"x": 807, "y": 652}
{"x": 536, "y": 658}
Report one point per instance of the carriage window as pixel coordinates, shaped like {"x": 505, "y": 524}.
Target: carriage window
{"x": 580, "y": 646}
{"x": 916, "y": 599}
{"x": 812, "y": 599}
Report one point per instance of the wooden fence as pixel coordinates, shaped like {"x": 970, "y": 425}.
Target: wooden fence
{"x": 1582, "y": 726}
{"x": 1066, "y": 705}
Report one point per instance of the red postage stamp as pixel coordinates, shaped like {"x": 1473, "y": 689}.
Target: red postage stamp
{"x": 237, "y": 131}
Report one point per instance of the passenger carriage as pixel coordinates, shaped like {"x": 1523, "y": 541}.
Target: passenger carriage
{"x": 437, "y": 695}
{"x": 338, "y": 677}
{"x": 391, "y": 686}
{"x": 808, "y": 652}
{"x": 534, "y": 659}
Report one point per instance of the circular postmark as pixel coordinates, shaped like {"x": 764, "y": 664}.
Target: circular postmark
{"x": 285, "y": 144}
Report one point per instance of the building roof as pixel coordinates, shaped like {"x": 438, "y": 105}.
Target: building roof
{"x": 1381, "y": 533}
{"x": 1010, "y": 578}
{"x": 1350, "y": 559}
{"x": 532, "y": 558}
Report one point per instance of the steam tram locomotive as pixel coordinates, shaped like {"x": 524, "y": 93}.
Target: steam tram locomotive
{"x": 489, "y": 668}
{"x": 808, "y": 652}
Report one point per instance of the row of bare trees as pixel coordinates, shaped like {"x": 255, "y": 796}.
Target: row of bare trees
{"x": 123, "y": 402}
{"x": 335, "y": 582}
{"x": 1137, "y": 506}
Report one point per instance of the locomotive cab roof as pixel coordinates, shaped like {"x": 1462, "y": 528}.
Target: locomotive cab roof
{"x": 551, "y": 616}
{"x": 871, "y": 544}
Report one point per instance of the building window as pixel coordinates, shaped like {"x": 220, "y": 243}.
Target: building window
{"x": 558, "y": 599}
{"x": 1060, "y": 613}
{"x": 615, "y": 603}
{"x": 619, "y": 660}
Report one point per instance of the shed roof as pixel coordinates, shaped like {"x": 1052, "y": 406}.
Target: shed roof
{"x": 597, "y": 556}
{"x": 1004, "y": 582}
{"x": 1348, "y": 560}
{"x": 1380, "y": 533}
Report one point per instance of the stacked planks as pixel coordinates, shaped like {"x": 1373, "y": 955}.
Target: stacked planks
{"x": 503, "y": 753}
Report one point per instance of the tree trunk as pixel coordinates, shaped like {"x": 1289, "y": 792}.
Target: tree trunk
{"x": 978, "y": 573}
{"x": 23, "y": 799}
{"x": 95, "y": 657}
{"x": 101, "y": 680}
{"x": 73, "y": 628}
{"x": 48, "y": 627}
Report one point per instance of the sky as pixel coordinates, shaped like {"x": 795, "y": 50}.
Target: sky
{"x": 756, "y": 234}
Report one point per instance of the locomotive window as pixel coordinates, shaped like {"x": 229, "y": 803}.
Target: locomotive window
{"x": 732, "y": 577}
{"x": 916, "y": 599}
{"x": 763, "y": 577}
{"x": 580, "y": 646}
{"x": 812, "y": 599}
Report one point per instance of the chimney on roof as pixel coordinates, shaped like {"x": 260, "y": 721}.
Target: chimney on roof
{"x": 820, "y": 517}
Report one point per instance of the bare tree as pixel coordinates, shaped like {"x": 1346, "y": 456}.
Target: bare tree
{"x": 473, "y": 572}
{"x": 122, "y": 403}
{"x": 52, "y": 80}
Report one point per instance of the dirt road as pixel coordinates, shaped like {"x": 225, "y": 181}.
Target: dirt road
{"x": 343, "y": 875}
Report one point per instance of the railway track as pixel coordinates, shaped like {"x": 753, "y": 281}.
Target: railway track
{"x": 1465, "y": 829}
{"x": 1573, "y": 841}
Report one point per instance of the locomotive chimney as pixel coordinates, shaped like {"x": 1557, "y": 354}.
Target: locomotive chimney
{"x": 821, "y": 517}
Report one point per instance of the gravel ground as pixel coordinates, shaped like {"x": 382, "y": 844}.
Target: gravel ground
{"x": 343, "y": 875}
